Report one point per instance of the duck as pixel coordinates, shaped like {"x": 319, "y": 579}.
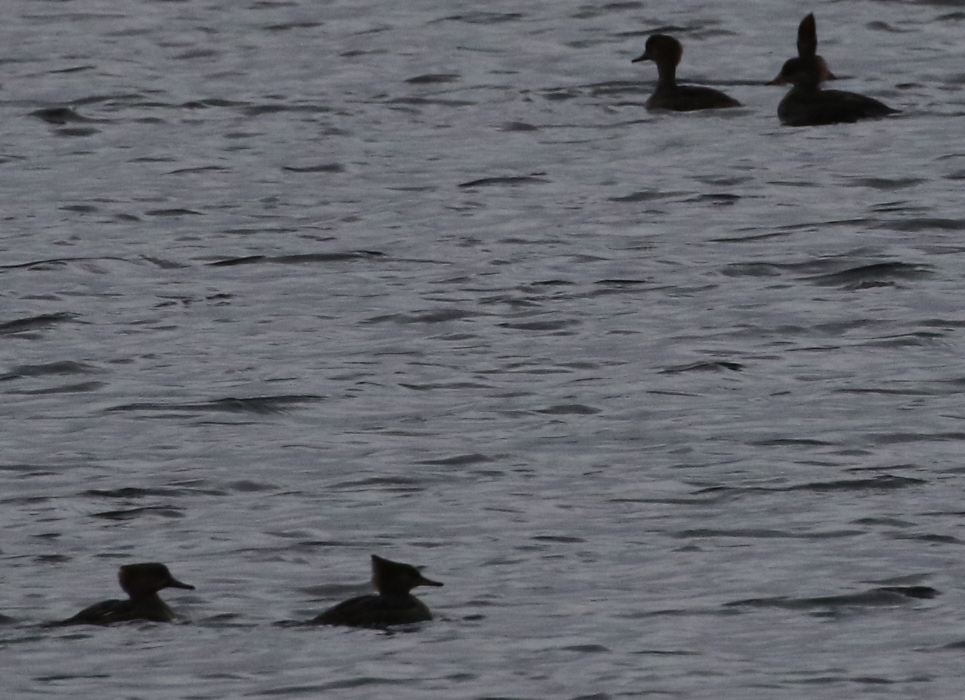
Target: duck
{"x": 808, "y": 105}
{"x": 665, "y": 51}
{"x": 392, "y": 605}
{"x": 807, "y": 47}
{"x": 141, "y": 582}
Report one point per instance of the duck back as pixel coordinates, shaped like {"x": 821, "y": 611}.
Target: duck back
{"x": 689, "y": 98}
{"x": 375, "y": 611}
{"x": 111, "y": 611}
{"x": 818, "y": 107}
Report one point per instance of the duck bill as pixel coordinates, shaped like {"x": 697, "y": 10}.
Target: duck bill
{"x": 644, "y": 57}
{"x": 423, "y": 581}
{"x": 174, "y": 583}
{"x": 779, "y": 80}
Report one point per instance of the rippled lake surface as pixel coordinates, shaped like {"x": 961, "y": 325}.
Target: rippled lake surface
{"x": 671, "y": 403}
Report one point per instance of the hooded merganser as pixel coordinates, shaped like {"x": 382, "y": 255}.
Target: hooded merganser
{"x": 666, "y": 51}
{"x": 807, "y": 47}
{"x": 808, "y": 105}
{"x": 393, "y": 605}
{"x": 141, "y": 582}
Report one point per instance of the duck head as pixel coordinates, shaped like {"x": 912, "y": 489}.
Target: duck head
{"x": 143, "y": 580}
{"x": 392, "y": 577}
{"x": 661, "y": 49}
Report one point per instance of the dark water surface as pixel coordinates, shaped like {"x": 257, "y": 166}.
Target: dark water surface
{"x": 671, "y": 403}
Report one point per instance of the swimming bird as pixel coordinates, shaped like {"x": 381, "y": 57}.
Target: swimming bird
{"x": 808, "y": 105}
{"x": 392, "y": 605}
{"x": 666, "y": 51}
{"x": 141, "y": 582}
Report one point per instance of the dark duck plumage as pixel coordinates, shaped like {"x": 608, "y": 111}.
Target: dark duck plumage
{"x": 666, "y": 52}
{"x": 141, "y": 582}
{"x": 808, "y": 105}
{"x": 392, "y": 605}
{"x": 807, "y": 48}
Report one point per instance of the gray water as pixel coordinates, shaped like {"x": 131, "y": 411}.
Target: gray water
{"x": 662, "y": 399}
